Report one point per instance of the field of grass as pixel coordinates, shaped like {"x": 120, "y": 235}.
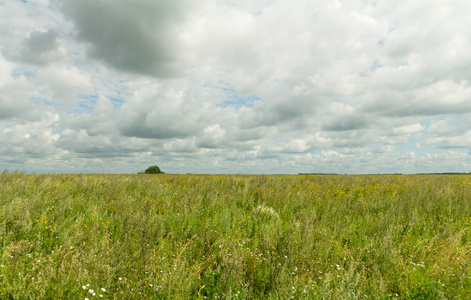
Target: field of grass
{"x": 235, "y": 237}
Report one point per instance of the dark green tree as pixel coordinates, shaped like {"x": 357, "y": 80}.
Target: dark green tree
{"x": 153, "y": 170}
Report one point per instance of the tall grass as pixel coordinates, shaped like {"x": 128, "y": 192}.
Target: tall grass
{"x": 234, "y": 237}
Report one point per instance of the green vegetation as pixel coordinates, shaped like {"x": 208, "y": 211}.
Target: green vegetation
{"x": 235, "y": 237}
{"x": 152, "y": 170}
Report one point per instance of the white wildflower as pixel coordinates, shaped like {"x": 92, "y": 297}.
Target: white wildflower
{"x": 264, "y": 211}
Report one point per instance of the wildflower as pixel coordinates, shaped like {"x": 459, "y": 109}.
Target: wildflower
{"x": 266, "y": 211}
{"x": 103, "y": 289}
{"x": 90, "y": 291}
{"x": 120, "y": 278}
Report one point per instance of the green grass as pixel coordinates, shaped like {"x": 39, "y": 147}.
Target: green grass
{"x": 234, "y": 237}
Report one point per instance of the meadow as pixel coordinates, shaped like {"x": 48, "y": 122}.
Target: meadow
{"x": 235, "y": 236}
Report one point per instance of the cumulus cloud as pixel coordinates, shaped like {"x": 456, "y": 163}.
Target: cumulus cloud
{"x": 62, "y": 84}
{"x": 408, "y": 129}
{"x": 41, "y": 48}
{"x": 14, "y": 92}
{"x": 33, "y": 140}
{"x": 236, "y": 86}
{"x": 161, "y": 112}
{"x": 139, "y": 36}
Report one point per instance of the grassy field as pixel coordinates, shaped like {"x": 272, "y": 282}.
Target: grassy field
{"x": 235, "y": 237}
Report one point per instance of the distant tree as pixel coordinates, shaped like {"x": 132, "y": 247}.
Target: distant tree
{"x": 153, "y": 170}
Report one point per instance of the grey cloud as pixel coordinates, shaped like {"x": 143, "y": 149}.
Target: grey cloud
{"x": 85, "y": 145}
{"x": 341, "y": 116}
{"x": 137, "y": 36}
{"x": 41, "y": 47}
{"x": 42, "y": 41}
{"x": 12, "y": 105}
{"x": 89, "y": 146}
{"x": 246, "y": 135}
{"x": 438, "y": 98}
{"x": 14, "y": 97}
{"x": 344, "y": 123}
{"x": 279, "y": 110}
{"x": 422, "y": 108}
{"x": 140, "y": 128}
{"x": 351, "y": 138}
{"x": 38, "y": 48}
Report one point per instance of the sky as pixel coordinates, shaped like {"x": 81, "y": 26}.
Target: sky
{"x": 235, "y": 86}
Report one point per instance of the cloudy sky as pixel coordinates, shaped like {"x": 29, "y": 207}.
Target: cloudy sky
{"x": 235, "y": 86}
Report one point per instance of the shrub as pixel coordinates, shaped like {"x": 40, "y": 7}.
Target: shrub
{"x": 153, "y": 170}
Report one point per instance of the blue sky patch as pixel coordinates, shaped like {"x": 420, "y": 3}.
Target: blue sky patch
{"x": 230, "y": 97}
{"x": 39, "y": 100}
{"x": 18, "y": 73}
{"x": 117, "y": 101}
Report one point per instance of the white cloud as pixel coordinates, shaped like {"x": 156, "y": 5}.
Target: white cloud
{"x": 211, "y": 137}
{"x": 408, "y": 129}
{"x": 161, "y": 111}
{"x": 30, "y": 140}
{"x": 14, "y": 92}
{"x": 62, "y": 84}
{"x": 236, "y": 86}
